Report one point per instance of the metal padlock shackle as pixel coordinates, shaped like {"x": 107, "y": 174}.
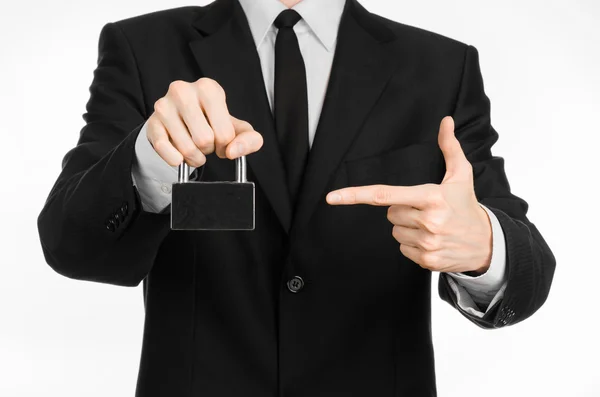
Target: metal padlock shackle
{"x": 240, "y": 170}
{"x": 213, "y": 205}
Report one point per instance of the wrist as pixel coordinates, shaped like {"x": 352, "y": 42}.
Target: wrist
{"x": 479, "y": 271}
{"x": 487, "y": 242}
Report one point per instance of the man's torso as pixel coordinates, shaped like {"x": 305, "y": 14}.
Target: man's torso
{"x": 220, "y": 318}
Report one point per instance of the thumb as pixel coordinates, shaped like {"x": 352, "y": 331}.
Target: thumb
{"x": 457, "y": 165}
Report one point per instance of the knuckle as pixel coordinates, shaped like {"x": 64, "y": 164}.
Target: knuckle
{"x": 392, "y": 213}
{"x": 210, "y": 86}
{"x": 197, "y": 163}
{"x": 350, "y": 196}
{"x": 403, "y": 249}
{"x": 204, "y": 81}
{"x": 430, "y": 242}
{"x": 430, "y": 260}
{"x": 224, "y": 134}
{"x": 180, "y": 98}
{"x": 180, "y": 94}
{"x": 381, "y": 195}
{"x": 203, "y": 141}
{"x": 172, "y": 163}
{"x": 177, "y": 85}
{"x": 189, "y": 151}
{"x": 159, "y": 144}
{"x": 434, "y": 223}
{"x": 396, "y": 232}
{"x": 161, "y": 105}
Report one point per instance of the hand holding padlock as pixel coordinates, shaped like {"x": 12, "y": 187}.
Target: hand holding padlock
{"x": 188, "y": 123}
{"x": 192, "y": 121}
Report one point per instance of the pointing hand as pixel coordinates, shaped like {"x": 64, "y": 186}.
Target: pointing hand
{"x": 440, "y": 227}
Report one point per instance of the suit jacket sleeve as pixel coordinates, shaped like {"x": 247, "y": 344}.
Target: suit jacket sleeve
{"x": 95, "y": 191}
{"x": 530, "y": 263}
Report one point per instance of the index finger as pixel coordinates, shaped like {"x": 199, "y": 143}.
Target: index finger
{"x": 418, "y": 196}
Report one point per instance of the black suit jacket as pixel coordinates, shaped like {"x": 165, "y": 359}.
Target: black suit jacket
{"x": 220, "y": 320}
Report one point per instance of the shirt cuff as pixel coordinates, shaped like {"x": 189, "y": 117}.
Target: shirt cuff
{"x": 488, "y": 287}
{"x": 465, "y": 300}
{"x": 152, "y": 176}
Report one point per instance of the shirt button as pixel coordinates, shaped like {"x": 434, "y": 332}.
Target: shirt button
{"x": 295, "y": 284}
{"x": 165, "y": 188}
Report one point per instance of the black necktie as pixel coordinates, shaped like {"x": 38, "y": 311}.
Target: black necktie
{"x": 290, "y": 103}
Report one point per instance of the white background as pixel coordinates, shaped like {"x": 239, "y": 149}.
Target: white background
{"x": 541, "y": 66}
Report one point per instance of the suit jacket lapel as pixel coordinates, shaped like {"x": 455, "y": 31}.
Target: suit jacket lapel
{"x": 363, "y": 63}
{"x": 226, "y": 53}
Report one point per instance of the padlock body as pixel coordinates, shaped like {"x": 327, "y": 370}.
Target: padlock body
{"x": 212, "y": 206}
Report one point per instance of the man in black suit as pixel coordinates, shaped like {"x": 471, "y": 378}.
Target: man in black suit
{"x": 322, "y": 298}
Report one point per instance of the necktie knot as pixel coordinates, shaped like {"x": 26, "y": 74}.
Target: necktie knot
{"x": 287, "y": 19}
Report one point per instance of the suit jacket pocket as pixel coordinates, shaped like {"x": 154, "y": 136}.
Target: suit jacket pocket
{"x": 415, "y": 164}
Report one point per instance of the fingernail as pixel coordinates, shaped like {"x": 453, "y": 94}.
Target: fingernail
{"x": 240, "y": 148}
{"x": 334, "y": 197}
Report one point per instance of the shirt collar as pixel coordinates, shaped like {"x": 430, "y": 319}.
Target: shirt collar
{"x": 321, "y": 16}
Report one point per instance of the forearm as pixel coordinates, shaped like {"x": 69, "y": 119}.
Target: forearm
{"x": 92, "y": 226}
{"x": 78, "y": 238}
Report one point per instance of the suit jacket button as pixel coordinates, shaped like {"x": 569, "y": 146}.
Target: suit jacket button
{"x": 295, "y": 284}
{"x": 110, "y": 225}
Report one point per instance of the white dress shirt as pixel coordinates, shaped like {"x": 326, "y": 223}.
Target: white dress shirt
{"x": 317, "y": 37}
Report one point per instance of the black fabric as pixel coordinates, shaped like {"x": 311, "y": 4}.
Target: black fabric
{"x": 291, "y": 101}
{"x": 220, "y": 320}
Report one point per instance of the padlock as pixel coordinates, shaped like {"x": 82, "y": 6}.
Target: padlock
{"x": 227, "y": 205}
